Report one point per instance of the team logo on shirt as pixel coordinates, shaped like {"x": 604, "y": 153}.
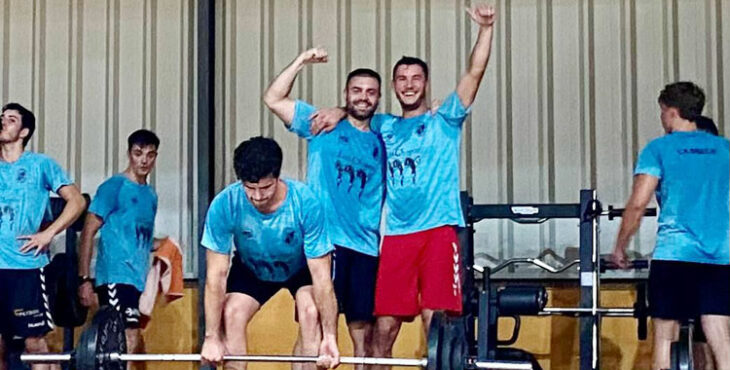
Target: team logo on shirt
{"x": 348, "y": 175}
{"x": 22, "y": 175}
{"x": 290, "y": 236}
{"x": 405, "y": 171}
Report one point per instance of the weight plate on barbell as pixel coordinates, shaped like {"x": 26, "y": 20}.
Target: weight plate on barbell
{"x": 105, "y": 335}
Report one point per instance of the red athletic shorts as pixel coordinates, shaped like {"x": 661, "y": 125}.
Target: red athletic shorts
{"x": 417, "y": 271}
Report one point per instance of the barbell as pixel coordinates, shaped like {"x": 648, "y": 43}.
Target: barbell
{"x": 103, "y": 346}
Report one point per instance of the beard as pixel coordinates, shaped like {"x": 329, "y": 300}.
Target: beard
{"x": 360, "y": 114}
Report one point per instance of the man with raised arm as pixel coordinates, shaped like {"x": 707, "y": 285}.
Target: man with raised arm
{"x": 345, "y": 170}
{"x": 420, "y": 258}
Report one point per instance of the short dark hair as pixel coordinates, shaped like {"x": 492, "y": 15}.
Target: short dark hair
{"x": 707, "y": 124}
{"x": 409, "y": 61}
{"x": 257, "y": 158}
{"x": 27, "y": 119}
{"x": 686, "y": 97}
{"x": 142, "y": 138}
{"x": 363, "y": 72}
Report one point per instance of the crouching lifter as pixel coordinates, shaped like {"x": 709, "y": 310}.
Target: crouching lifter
{"x": 277, "y": 229}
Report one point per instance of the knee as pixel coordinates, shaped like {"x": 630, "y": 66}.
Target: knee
{"x": 236, "y": 316}
{"x": 36, "y": 344}
{"x": 309, "y": 317}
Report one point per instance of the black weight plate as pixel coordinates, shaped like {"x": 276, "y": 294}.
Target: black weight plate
{"x": 105, "y": 335}
{"x": 435, "y": 341}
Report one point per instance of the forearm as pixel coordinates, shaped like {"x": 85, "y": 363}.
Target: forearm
{"x": 87, "y": 242}
{"x": 481, "y": 51}
{"x": 215, "y": 288}
{"x": 324, "y": 297}
{"x": 469, "y": 83}
{"x": 74, "y": 207}
{"x": 630, "y": 222}
{"x": 281, "y": 87}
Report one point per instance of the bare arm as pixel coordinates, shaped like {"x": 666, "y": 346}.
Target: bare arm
{"x": 643, "y": 190}
{"x": 215, "y": 291}
{"x": 75, "y": 205}
{"x": 324, "y": 298}
{"x": 92, "y": 224}
{"x": 484, "y": 16}
{"x": 276, "y": 97}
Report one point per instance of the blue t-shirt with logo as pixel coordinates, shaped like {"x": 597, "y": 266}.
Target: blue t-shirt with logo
{"x": 422, "y": 170}
{"x": 345, "y": 170}
{"x": 275, "y": 246}
{"x": 692, "y": 168}
{"x": 127, "y": 210}
{"x": 24, "y": 204}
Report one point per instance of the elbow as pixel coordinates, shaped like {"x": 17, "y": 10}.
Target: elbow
{"x": 270, "y": 99}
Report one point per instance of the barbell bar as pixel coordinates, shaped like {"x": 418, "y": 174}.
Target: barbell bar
{"x": 102, "y": 346}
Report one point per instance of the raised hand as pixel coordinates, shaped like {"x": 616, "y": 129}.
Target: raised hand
{"x": 313, "y": 55}
{"x": 482, "y": 14}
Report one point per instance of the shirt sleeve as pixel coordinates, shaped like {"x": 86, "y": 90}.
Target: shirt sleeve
{"x": 377, "y": 121}
{"x": 54, "y": 176}
{"x": 218, "y": 231}
{"x": 106, "y": 199}
{"x": 649, "y": 162}
{"x": 453, "y": 111}
{"x": 301, "y": 123}
{"x": 316, "y": 239}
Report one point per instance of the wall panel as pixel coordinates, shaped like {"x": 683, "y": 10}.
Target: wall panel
{"x": 568, "y": 101}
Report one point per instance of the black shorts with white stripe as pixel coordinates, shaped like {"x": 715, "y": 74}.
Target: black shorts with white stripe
{"x": 24, "y": 306}
{"x": 124, "y": 298}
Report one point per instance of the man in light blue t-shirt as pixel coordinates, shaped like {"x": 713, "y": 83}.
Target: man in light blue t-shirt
{"x": 345, "y": 171}
{"x": 124, "y": 209}
{"x": 687, "y": 170}
{"x": 26, "y": 179}
{"x": 275, "y": 229}
{"x": 419, "y": 269}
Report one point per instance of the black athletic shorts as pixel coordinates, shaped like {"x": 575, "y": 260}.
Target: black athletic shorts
{"x": 24, "y": 306}
{"x": 354, "y": 279}
{"x": 242, "y": 280}
{"x": 686, "y": 290}
{"x": 124, "y": 298}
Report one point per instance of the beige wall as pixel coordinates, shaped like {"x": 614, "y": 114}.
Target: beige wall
{"x": 568, "y": 100}
{"x": 93, "y": 71}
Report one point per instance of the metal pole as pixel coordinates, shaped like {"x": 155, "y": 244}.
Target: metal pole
{"x": 589, "y": 325}
{"x": 503, "y": 365}
{"x": 195, "y": 357}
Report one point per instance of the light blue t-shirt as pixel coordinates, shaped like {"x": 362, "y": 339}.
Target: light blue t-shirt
{"x": 127, "y": 210}
{"x": 274, "y": 246}
{"x": 24, "y": 203}
{"x": 693, "y": 192}
{"x": 422, "y": 172}
{"x": 345, "y": 170}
